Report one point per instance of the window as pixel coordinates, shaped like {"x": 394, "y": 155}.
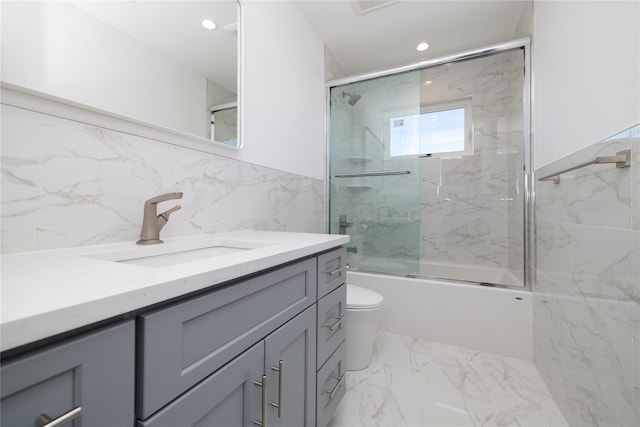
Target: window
{"x": 439, "y": 129}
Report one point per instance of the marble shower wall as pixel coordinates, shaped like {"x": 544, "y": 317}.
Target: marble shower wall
{"x": 471, "y": 207}
{"x": 66, "y": 183}
{"x": 587, "y": 286}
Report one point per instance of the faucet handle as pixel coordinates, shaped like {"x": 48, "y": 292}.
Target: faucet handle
{"x": 166, "y": 214}
{"x": 161, "y": 198}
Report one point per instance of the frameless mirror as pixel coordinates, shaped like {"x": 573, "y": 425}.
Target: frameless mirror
{"x": 167, "y": 63}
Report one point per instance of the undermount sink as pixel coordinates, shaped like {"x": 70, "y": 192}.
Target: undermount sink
{"x": 182, "y": 257}
{"x": 164, "y": 255}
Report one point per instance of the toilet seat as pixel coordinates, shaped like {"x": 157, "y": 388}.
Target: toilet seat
{"x": 362, "y": 299}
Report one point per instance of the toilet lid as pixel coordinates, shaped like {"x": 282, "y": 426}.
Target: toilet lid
{"x": 361, "y": 298}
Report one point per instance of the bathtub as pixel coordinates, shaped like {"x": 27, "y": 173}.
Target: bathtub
{"x": 490, "y": 319}
{"x": 467, "y": 273}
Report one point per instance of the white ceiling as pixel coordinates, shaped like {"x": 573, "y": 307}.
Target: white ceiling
{"x": 386, "y": 37}
{"x": 362, "y": 42}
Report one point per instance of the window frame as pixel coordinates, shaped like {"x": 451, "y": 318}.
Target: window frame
{"x": 463, "y": 103}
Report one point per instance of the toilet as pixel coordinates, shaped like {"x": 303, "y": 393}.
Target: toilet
{"x": 363, "y": 315}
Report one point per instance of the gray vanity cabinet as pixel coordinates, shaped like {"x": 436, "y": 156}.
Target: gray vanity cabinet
{"x": 89, "y": 379}
{"x": 182, "y": 344}
{"x": 331, "y": 334}
{"x": 248, "y": 352}
{"x": 233, "y": 395}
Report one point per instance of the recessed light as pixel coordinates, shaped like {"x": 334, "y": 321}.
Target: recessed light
{"x": 422, "y": 46}
{"x": 209, "y": 24}
{"x": 427, "y": 82}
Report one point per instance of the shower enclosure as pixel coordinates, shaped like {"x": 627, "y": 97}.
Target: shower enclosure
{"x": 428, "y": 169}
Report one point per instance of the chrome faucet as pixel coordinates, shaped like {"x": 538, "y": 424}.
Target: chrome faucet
{"x": 152, "y": 223}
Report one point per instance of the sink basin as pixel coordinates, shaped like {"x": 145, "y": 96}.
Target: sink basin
{"x": 164, "y": 255}
{"x": 181, "y": 257}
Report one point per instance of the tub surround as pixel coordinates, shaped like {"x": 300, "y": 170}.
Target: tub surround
{"x": 45, "y": 293}
{"x": 586, "y": 299}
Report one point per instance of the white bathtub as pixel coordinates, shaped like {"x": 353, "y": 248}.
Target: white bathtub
{"x": 467, "y": 273}
{"x": 490, "y": 319}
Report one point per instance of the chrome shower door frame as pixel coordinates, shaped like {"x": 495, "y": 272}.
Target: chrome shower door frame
{"x": 528, "y": 185}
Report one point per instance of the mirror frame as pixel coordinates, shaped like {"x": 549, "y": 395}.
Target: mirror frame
{"x": 41, "y": 102}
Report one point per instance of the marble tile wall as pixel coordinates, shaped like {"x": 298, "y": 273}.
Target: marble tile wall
{"x": 471, "y": 207}
{"x": 587, "y": 286}
{"x": 65, "y": 183}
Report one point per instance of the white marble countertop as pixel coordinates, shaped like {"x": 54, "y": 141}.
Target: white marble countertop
{"x": 45, "y": 293}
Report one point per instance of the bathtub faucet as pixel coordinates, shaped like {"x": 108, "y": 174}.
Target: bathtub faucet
{"x": 343, "y": 224}
{"x": 152, "y": 223}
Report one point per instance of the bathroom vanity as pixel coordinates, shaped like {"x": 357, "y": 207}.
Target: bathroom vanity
{"x": 251, "y": 336}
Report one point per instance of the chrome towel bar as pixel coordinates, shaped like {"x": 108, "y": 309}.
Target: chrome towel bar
{"x": 376, "y": 173}
{"x": 622, "y": 159}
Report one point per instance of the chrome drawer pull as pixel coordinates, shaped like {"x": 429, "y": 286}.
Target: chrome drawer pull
{"x": 337, "y": 271}
{"x": 44, "y": 420}
{"x": 280, "y": 371}
{"x": 335, "y": 324}
{"x": 335, "y": 389}
{"x": 262, "y": 384}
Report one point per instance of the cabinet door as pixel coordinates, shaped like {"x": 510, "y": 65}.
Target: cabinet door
{"x": 290, "y": 362}
{"x": 91, "y": 376}
{"x": 227, "y": 398}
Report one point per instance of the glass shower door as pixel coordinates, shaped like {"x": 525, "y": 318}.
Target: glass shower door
{"x": 373, "y": 193}
{"x": 427, "y": 170}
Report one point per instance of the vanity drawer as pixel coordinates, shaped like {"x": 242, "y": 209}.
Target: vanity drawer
{"x": 332, "y": 329}
{"x": 90, "y": 377}
{"x": 331, "y": 386}
{"x": 331, "y": 270}
{"x": 182, "y": 344}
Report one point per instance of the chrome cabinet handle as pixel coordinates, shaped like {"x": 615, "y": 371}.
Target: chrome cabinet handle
{"x": 262, "y": 384}
{"x": 44, "y": 420}
{"x": 280, "y": 370}
{"x": 337, "y": 386}
{"x": 337, "y": 271}
{"x": 335, "y": 324}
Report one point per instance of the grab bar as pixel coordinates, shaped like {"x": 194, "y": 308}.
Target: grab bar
{"x": 376, "y": 173}
{"x": 622, "y": 159}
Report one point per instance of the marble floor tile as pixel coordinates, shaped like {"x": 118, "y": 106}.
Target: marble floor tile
{"x": 415, "y": 382}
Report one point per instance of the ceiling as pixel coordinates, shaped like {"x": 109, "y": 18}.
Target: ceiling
{"x": 386, "y": 36}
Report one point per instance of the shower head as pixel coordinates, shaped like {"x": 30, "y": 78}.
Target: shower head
{"x": 353, "y": 98}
